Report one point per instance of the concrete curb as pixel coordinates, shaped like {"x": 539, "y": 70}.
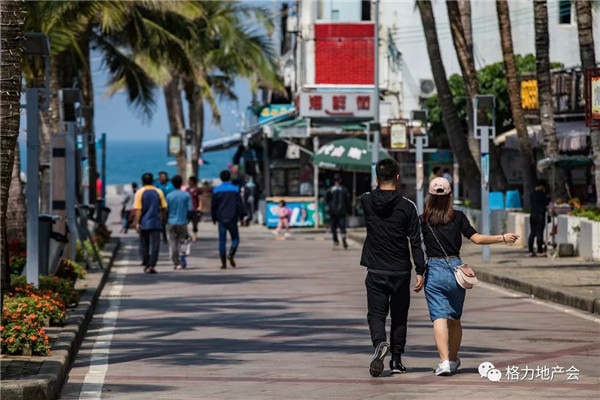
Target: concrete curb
{"x": 542, "y": 292}
{"x": 537, "y": 290}
{"x": 54, "y": 370}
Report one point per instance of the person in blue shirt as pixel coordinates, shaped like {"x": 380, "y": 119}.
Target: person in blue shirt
{"x": 179, "y": 205}
{"x": 166, "y": 187}
{"x": 150, "y": 206}
{"x": 227, "y": 209}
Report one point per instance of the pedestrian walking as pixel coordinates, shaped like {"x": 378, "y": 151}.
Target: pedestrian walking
{"x": 150, "y": 213}
{"x": 393, "y": 233}
{"x": 447, "y": 175}
{"x": 284, "y": 213}
{"x": 166, "y": 187}
{"x": 127, "y": 206}
{"x": 226, "y": 210}
{"x": 196, "y": 197}
{"x": 537, "y": 218}
{"x": 443, "y": 228}
{"x": 250, "y": 194}
{"x": 338, "y": 199}
{"x": 179, "y": 203}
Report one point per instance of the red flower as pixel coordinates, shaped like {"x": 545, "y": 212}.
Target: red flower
{"x": 17, "y": 327}
{"x": 33, "y": 338}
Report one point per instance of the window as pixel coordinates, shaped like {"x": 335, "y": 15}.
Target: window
{"x": 342, "y": 10}
{"x": 564, "y": 12}
{"x": 366, "y": 10}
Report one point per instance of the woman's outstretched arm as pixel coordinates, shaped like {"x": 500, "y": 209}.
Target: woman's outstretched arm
{"x": 478, "y": 238}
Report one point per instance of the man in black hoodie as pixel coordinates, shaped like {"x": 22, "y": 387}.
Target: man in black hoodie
{"x": 392, "y": 221}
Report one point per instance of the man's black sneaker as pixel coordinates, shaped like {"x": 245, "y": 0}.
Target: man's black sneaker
{"x": 345, "y": 243}
{"x": 376, "y": 367}
{"x": 231, "y": 261}
{"x": 396, "y": 367}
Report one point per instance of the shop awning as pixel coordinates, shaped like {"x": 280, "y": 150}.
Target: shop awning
{"x": 350, "y": 154}
{"x": 564, "y": 162}
{"x": 571, "y": 135}
{"x": 238, "y": 138}
{"x": 297, "y": 128}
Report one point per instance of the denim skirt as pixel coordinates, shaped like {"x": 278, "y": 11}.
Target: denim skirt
{"x": 445, "y": 297}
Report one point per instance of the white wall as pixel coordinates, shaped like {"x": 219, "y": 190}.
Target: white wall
{"x": 404, "y": 17}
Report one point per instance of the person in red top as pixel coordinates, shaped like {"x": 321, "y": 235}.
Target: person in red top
{"x": 196, "y": 214}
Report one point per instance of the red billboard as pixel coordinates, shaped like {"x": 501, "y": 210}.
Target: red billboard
{"x": 344, "y": 53}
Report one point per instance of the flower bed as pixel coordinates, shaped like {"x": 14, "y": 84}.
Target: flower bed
{"x": 27, "y": 310}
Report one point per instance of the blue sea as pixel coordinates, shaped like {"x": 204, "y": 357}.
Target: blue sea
{"x": 127, "y": 160}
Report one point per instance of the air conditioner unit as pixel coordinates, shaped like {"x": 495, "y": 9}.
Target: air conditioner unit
{"x": 427, "y": 88}
{"x": 292, "y": 24}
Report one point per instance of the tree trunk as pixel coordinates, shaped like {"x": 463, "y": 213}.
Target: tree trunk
{"x": 467, "y": 66}
{"x": 527, "y": 156}
{"x": 588, "y": 60}
{"x": 176, "y": 121}
{"x": 16, "y": 213}
{"x": 470, "y": 175}
{"x": 542, "y": 64}
{"x": 87, "y": 90}
{"x": 196, "y": 115}
{"x": 465, "y": 17}
{"x": 12, "y": 19}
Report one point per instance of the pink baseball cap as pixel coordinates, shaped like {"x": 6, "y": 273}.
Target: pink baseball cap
{"x": 439, "y": 186}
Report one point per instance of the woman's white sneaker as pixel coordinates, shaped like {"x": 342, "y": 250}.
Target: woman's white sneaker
{"x": 443, "y": 368}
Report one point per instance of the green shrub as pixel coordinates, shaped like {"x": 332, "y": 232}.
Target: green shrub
{"x": 590, "y": 213}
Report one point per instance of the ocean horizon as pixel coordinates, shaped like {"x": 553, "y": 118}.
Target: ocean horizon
{"x": 127, "y": 160}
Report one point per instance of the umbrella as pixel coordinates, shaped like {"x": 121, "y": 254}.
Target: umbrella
{"x": 564, "y": 162}
{"x": 349, "y": 154}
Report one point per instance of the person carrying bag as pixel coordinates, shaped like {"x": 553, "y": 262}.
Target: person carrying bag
{"x": 447, "y": 277}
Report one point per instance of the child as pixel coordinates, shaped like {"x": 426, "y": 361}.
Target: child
{"x": 392, "y": 221}
{"x": 284, "y": 213}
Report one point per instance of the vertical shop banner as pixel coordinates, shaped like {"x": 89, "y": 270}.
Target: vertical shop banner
{"x": 398, "y": 135}
{"x": 592, "y": 97}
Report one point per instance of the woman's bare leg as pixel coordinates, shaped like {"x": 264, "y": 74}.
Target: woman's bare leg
{"x": 454, "y": 338}
{"x": 440, "y": 333}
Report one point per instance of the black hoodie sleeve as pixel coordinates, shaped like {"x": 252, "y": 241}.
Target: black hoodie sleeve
{"x": 416, "y": 239}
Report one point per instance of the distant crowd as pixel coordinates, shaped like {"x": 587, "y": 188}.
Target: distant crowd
{"x": 164, "y": 208}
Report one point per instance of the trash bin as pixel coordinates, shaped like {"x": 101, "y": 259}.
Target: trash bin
{"x": 44, "y": 232}
{"x": 58, "y": 242}
{"x": 104, "y": 212}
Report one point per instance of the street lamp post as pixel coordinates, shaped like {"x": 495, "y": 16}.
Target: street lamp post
{"x": 484, "y": 133}
{"x": 375, "y": 126}
{"x": 419, "y": 141}
{"x": 69, "y": 101}
{"x": 36, "y": 45}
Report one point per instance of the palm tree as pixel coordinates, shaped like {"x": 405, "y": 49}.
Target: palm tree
{"x": 11, "y": 44}
{"x": 112, "y": 28}
{"x": 546, "y": 108}
{"x": 224, "y": 47}
{"x": 16, "y": 212}
{"x": 588, "y": 60}
{"x": 467, "y": 66}
{"x": 465, "y": 17}
{"x": 470, "y": 174}
{"x": 508, "y": 55}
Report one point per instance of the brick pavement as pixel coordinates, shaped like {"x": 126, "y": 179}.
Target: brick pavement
{"x": 290, "y": 323}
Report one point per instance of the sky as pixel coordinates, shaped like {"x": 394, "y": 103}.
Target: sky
{"x": 120, "y": 121}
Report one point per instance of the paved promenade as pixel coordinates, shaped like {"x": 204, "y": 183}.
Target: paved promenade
{"x": 290, "y": 323}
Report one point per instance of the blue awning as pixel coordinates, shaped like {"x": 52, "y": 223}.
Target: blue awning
{"x": 238, "y": 138}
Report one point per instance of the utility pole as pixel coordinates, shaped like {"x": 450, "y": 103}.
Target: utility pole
{"x": 484, "y": 133}
{"x": 419, "y": 141}
{"x": 376, "y": 126}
